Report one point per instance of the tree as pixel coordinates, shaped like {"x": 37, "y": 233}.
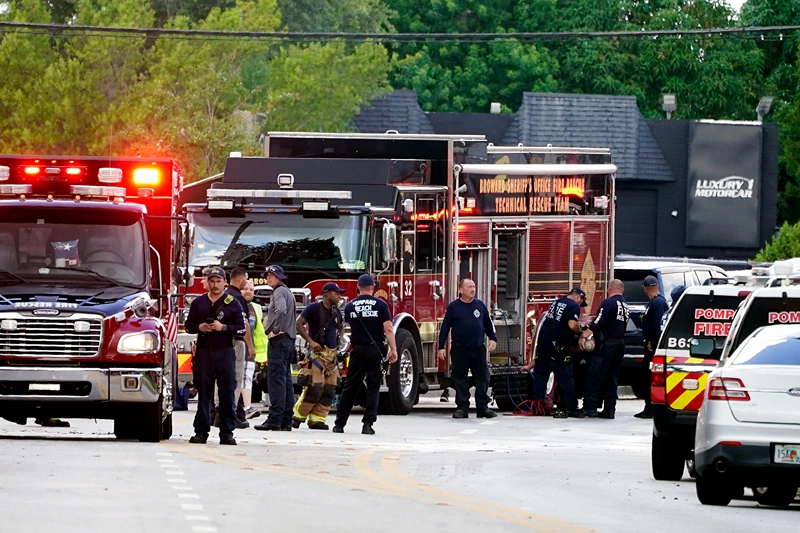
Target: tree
{"x": 360, "y": 16}
{"x": 784, "y": 245}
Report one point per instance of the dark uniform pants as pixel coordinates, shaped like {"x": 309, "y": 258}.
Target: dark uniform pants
{"x": 465, "y": 360}
{"x": 547, "y": 361}
{"x": 279, "y": 379}
{"x": 602, "y": 376}
{"x": 364, "y": 364}
{"x": 210, "y": 365}
{"x": 644, "y": 378}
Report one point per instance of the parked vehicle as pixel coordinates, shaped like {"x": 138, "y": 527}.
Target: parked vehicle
{"x": 748, "y": 429}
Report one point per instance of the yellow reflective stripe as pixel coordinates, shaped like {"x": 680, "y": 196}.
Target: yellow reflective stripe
{"x": 690, "y": 395}
{"x": 674, "y": 379}
{"x": 695, "y": 361}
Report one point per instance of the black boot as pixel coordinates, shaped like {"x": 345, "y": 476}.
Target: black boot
{"x": 367, "y": 429}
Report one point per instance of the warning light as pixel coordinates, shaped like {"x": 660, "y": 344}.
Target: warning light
{"x": 145, "y": 176}
{"x": 32, "y": 171}
{"x": 572, "y": 191}
{"x": 72, "y": 171}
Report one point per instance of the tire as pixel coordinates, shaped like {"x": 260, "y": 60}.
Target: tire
{"x": 779, "y": 495}
{"x": 150, "y": 422}
{"x": 713, "y": 491}
{"x": 403, "y": 377}
{"x": 667, "y": 459}
{"x": 125, "y": 428}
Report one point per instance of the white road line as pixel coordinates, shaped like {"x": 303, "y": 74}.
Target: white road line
{"x": 489, "y": 423}
{"x": 187, "y": 495}
{"x": 204, "y": 529}
{"x": 164, "y": 454}
{"x": 174, "y": 473}
{"x": 176, "y": 480}
{"x": 165, "y": 460}
{"x": 179, "y": 487}
{"x": 469, "y": 431}
{"x": 197, "y": 517}
{"x": 191, "y": 507}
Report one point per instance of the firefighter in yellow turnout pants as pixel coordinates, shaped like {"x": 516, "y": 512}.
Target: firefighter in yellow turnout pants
{"x": 319, "y": 372}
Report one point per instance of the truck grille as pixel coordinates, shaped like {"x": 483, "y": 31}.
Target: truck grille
{"x": 74, "y": 336}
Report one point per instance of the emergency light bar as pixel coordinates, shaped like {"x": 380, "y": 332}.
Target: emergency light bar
{"x": 5, "y": 173}
{"x": 16, "y": 189}
{"x": 534, "y": 169}
{"x": 228, "y": 194}
{"x": 94, "y": 190}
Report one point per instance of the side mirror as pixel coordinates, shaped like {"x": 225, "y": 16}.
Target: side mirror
{"x": 389, "y": 243}
{"x": 701, "y": 346}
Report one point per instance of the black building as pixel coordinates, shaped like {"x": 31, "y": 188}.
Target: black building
{"x": 684, "y": 188}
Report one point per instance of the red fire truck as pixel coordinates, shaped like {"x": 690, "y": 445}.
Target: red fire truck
{"x": 87, "y": 329}
{"x": 420, "y": 212}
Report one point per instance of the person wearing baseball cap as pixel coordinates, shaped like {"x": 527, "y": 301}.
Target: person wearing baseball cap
{"x": 217, "y": 318}
{"x": 370, "y": 326}
{"x": 281, "y": 332}
{"x": 579, "y": 292}
{"x": 651, "y": 331}
{"x": 319, "y": 374}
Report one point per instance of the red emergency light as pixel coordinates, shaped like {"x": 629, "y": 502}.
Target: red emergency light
{"x": 572, "y": 191}
{"x": 33, "y": 171}
{"x": 73, "y": 171}
{"x": 146, "y": 176}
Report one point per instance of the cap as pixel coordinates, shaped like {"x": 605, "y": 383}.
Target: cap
{"x": 650, "y": 281}
{"x": 676, "y": 292}
{"x": 579, "y": 292}
{"x": 366, "y": 280}
{"x": 216, "y": 271}
{"x": 277, "y": 270}
{"x": 331, "y": 286}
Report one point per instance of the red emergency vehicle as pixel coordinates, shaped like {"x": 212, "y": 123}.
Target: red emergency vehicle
{"x": 88, "y": 247}
{"x": 418, "y": 211}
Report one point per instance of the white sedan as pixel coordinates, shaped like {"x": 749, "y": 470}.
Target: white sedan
{"x": 748, "y": 429}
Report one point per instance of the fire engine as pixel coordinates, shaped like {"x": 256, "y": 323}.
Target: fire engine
{"x": 87, "y": 249}
{"x": 420, "y": 212}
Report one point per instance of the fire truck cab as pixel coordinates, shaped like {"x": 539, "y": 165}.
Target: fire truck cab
{"x": 87, "y": 246}
{"x": 420, "y": 212}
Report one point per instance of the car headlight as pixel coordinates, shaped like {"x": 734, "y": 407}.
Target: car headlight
{"x": 144, "y": 342}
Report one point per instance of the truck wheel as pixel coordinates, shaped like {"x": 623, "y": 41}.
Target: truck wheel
{"x": 667, "y": 459}
{"x": 403, "y": 377}
{"x": 150, "y": 423}
{"x": 712, "y": 491}
{"x": 125, "y": 427}
{"x": 776, "y": 495}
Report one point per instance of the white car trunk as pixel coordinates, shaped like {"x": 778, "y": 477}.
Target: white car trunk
{"x": 768, "y": 386}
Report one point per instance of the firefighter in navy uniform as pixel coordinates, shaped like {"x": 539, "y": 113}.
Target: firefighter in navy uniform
{"x": 553, "y": 353}
{"x": 651, "y": 331}
{"x": 370, "y": 323}
{"x": 608, "y": 330}
{"x": 217, "y": 318}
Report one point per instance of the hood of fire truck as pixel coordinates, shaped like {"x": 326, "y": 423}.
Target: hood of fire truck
{"x": 105, "y": 301}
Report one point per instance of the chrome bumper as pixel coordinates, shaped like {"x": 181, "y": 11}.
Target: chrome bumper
{"x": 125, "y": 385}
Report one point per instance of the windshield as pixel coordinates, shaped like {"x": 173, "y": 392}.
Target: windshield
{"x": 771, "y": 352}
{"x": 288, "y": 239}
{"x": 768, "y": 312}
{"x": 68, "y": 244}
{"x": 634, "y": 293}
{"x": 699, "y": 315}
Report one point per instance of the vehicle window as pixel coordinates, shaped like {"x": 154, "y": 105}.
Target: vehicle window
{"x": 765, "y": 312}
{"x": 691, "y": 279}
{"x": 633, "y": 284}
{"x": 702, "y": 275}
{"x": 754, "y": 352}
{"x": 698, "y": 315}
{"x": 670, "y": 281}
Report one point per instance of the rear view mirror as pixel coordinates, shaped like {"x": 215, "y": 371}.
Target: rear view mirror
{"x": 389, "y": 243}
{"x": 701, "y": 346}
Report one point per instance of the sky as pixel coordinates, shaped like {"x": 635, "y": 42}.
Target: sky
{"x": 736, "y": 4}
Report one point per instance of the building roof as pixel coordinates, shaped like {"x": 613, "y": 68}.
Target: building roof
{"x": 592, "y": 120}
{"x": 399, "y": 110}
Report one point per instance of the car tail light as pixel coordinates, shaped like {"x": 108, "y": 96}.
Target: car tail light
{"x": 658, "y": 377}
{"x": 730, "y": 389}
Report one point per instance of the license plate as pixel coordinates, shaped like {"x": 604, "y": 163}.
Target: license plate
{"x": 690, "y": 384}
{"x": 787, "y": 454}
{"x": 44, "y": 386}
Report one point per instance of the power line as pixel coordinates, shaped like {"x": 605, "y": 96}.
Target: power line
{"x": 750, "y": 32}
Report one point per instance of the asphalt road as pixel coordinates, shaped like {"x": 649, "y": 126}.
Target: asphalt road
{"x": 422, "y": 472}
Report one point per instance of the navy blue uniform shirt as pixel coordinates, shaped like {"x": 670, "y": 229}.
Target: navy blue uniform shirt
{"x": 236, "y": 293}
{"x": 331, "y": 319}
{"x": 227, "y": 310}
{"x": 556, "y": 328}
{"x": 470, "y": 323}
{"x": 373, "y": 312}
{"x": 612, "y": 318}
{"x": 651, "y": 321}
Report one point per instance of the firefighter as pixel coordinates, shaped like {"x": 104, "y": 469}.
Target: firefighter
{"x": 470, "y": 323}
{"x": 608, "y": 330}
{"x": 553, "y": 353}
{"x": 217, "y": 318}
{"x": 320, "y": 369}
{"x": 651, "y": 331}
{"x": 370, "y": 324}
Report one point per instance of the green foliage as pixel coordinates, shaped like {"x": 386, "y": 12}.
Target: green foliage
{"x": 360, "y": 16}
{"x": 784, "y": 245}
{"x": 194, "y": 100}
